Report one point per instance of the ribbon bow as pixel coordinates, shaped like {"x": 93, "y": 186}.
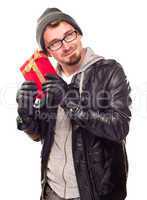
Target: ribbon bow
{"x": 32, "y": 65}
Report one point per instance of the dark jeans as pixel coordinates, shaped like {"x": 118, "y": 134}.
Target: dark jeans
{"x": 49, "y": 194}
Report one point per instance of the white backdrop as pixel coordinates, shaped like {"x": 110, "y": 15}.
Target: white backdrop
{"x": 114, "y": 29}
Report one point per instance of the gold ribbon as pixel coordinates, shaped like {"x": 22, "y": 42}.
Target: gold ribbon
{"x": 32, "y": 66}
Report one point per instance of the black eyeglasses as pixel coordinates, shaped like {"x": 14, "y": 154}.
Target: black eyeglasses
{"x": 67, "y": 38}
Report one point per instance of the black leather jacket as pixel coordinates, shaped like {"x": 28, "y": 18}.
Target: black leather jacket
{"x": 99, "y": 144}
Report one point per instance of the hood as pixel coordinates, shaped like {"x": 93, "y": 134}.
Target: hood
{"x": 90, "y": 58}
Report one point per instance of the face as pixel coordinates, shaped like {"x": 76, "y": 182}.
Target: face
{"x": 69, "y": 53}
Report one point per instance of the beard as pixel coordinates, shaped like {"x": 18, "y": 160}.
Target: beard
{"x": 73, "y": 59}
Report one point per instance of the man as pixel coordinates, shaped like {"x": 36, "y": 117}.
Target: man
{"x": 85, "y": 119}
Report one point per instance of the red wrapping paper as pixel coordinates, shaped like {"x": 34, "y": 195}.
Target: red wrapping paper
{"x": 36, "y": 68}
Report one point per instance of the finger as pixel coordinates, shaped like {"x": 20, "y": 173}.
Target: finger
{"x": 25, "y": 102}
{"x": 51, "y": 77}
{"x": 26, "y": 93}
{"x": 29, "y": 85}
{"x": 49, "y": 84}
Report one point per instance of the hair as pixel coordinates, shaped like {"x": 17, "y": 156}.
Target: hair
{"x": 54, "y": 23}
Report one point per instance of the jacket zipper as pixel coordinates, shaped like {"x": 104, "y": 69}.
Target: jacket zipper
{"x": 124, "y": 151}
{"x": 43, "y": 182}
{"x": 88, "y": 174}
{"x": 65, "y": 166}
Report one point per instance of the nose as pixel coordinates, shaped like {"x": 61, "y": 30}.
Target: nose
{"x": 65, "y": 45}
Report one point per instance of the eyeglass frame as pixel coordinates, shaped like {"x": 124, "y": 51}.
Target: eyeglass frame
{"x": 63, "y": 39}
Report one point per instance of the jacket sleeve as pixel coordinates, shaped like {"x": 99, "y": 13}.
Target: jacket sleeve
{"x": 112, "y": 120}
{"x": 32, "y": 128}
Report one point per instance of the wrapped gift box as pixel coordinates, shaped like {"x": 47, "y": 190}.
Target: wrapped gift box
{"x": 36, "y": 68}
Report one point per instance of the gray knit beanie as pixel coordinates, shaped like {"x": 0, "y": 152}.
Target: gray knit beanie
{"x": 51, "y": 15}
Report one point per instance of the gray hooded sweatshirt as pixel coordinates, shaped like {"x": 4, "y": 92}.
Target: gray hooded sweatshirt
{"x": 60, "y": 169}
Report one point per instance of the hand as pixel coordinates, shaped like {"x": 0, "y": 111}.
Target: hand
{"x": 25, "y": 98}
{"x": 72, "y": 96}
{"x": 75, "y": 105}
{"x": 54, "y": 89}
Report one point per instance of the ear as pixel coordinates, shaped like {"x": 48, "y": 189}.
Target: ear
{"x": 80, "y": 36}
{"x": 48, "y": 54}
